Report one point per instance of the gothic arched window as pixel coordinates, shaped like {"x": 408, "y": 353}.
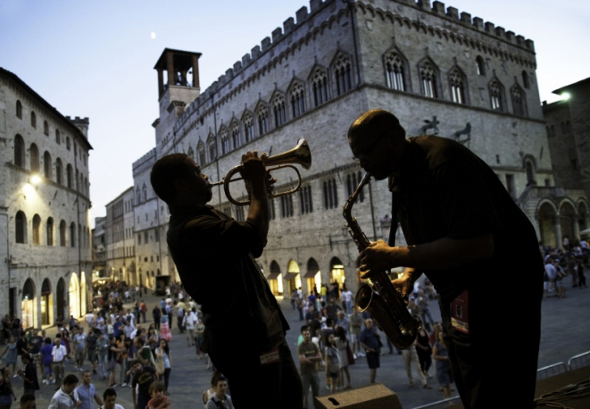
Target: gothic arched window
{"x": 262, "y": 115}
{"x": 395, "y": 71}
{"x": 297, "y": 100}
{"x": 343, "y": 74}
{"x": 457, "y": 85}
{"x": 279, "y": 110}
{"x": 248, "y": 127}
{"x": 319, "y": 81}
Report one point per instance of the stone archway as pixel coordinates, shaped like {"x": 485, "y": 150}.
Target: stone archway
{"x": 74, "y": 297}
{"x": 313, "y": 276}
{"x": 28, "y": 311}
{"x": 292, "y": 278}
{"x": 337, "y": 275}
{"x": 46, "y": 303}
{"x": 274, "y": 279}
{"x": 61, "y": 297}
{"x": 547, "y": 217}
{"x": 568, "y": 222}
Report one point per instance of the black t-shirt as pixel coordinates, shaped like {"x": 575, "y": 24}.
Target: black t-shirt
{"x": 214, "y": 255}
{"x": 91, "y": 341}
{"x": 144, "y": 379}
{"x": 21, "y": 346}
{"x": 35, "y": 344}
{"x": 445, "y": 190}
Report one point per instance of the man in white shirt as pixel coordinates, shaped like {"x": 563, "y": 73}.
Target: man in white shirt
{"x": 66, "y": 397}
{"x": 347, "y": 298}
{"x": 551, "y": 271}
{"x": 58, "y": 354}
{"x": 190, "y": 320}
{"x": 80, "y": 347}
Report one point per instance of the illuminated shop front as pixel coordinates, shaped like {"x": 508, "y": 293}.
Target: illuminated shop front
{"x": 28, "y": 304}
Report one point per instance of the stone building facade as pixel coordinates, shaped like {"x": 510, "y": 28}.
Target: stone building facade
{"x": 45, "y": 245}
{"x": 568, "y": 129}
{"x": 119, "y": 237}
{"x": 99, "y": 254}
{"x": 440, "y": 71}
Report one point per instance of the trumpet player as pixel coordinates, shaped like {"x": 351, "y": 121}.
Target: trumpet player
{"x": 462, "y": 229}
{"x": 214, "y": 256}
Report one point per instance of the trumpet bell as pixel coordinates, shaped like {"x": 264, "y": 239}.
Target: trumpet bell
{"x": 299, "y": 155}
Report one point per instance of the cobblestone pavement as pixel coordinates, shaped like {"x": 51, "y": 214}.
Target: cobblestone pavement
{"x": 565, "y": 334}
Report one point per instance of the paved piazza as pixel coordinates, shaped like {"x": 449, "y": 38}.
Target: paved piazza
{"x": 565, "y": 333}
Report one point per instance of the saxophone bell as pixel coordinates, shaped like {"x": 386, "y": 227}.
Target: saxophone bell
{"x": 382, "y": 299}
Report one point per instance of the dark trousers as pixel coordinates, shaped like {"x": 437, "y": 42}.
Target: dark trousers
{"x": 495, "y": 365}
{"x": 245, "y": 375}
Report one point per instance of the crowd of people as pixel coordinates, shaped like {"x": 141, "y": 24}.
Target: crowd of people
{"x": 563, "y": 265}
{"x": 110, "y": 343}
{"x": 334, "y": 336}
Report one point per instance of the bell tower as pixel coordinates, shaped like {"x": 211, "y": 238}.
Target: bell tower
{"x": 178, "y": 85}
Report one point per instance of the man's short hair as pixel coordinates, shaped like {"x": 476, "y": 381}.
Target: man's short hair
{"x": 165, "y": 171}
{"x": 70, "y": 379}
{"x": 304, "y": 328}
{"x": 109, "y": 392}
{"x": 371, "y": 125}
{"x": 26, "y": 398}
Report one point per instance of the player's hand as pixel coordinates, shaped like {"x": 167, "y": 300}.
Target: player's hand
{"x": 253, "y": 168}
{"x": 376, "y": 259}
{"x": 404, "y": 284}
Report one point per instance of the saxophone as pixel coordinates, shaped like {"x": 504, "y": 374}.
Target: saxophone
{"x": 382, "y": 300}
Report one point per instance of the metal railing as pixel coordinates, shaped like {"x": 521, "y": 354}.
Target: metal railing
{"x": 575, "y": 362}
{"x": 579, "y": 361}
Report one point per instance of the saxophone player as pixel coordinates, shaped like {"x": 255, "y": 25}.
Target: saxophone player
{"x": 462, "y": 229}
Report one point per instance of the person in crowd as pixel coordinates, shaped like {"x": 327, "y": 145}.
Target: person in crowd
{"x": 112, "y": 357}
{"x": 309, "y": 359}
{"x": 332, "y": 359}
{"x": 87, "y": 392}
{"x": 424, "y": 305}
{"x": 220, "y": 399}
{"x": 80, "y": 346}
{"x": 143, "y": 378}
{"x": 159, "y": 400}
{"x": 66, "y": 396}
{"x": 191, "y": 320}
{"x": 347, "y": 299}
{"x": 163, "y": 352}
{"x": 370, "y": 340}
{"x": 29, "y": 375}
{"x": 10, "y": 354}
{"x": 356, "y": 323}
{"x": 474, "y": 230}
{"x": 343, "y": 351}
{"x": 46, "y": 358}
{"x": 199, "y": 332}
{"x": 209, "y": 393}
{"x": 410, "y": 358}
{"x": 440, "y": 354}
{"x": 424, "y": 351}
{"x": 35, "y": 345}
{"x": 58, "y": 357}
{"x": 109, "y": 397}
{"x": 7, "y": 395}
{"x": 213, "y": 252}
{"x": 102, "y": 352}
{"x": 157, "y": 315}
{"x": 91, "y": 340}
{"x": 27, "y": 401}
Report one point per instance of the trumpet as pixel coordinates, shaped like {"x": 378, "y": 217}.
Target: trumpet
{"x": 300, "y": 155}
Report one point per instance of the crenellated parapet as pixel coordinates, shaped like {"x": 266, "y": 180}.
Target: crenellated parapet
{"x": 147, "y": 158}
